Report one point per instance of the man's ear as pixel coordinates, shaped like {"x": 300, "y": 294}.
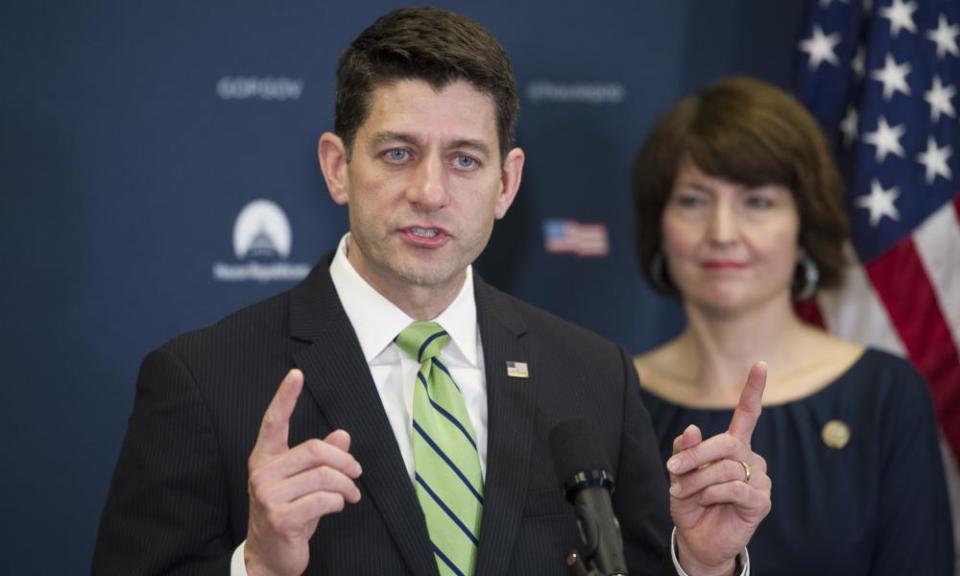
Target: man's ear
{"x": 509, "y": 181}
{"x": 332, "y": 155}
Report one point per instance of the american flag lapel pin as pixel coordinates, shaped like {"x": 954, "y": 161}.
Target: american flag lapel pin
{"x": 517, "y": 369}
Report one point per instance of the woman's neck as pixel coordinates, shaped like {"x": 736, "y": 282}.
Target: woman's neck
{"x": 722, "y": 346}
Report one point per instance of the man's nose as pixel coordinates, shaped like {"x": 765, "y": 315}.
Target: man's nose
{"x": 429, "y": 187}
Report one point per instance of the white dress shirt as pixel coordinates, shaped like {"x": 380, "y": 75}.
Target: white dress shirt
{"x": 377, "y": 321}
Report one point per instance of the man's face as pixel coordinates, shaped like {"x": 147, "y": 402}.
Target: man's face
{"x": 424, "y": 185}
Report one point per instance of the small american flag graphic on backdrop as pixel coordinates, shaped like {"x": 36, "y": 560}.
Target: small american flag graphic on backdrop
{"x": 577, "y": 238}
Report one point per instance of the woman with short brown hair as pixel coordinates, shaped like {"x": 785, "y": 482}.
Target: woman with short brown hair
{"x": 739, "y": 212}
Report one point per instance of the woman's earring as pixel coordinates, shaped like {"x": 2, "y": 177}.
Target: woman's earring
{"x": 810, "y": 278}
{"x": 658, "y": 271}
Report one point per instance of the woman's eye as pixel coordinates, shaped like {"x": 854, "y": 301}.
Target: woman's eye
{"x": 688, "y": 201}
{"x": 759, "y": 202}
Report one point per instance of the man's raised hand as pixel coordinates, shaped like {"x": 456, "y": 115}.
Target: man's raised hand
{"x": 292, "y": 488}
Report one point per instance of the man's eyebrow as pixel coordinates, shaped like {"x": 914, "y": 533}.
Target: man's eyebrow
{"x": 389, "y": 136}
{"x": 471, "y": 144}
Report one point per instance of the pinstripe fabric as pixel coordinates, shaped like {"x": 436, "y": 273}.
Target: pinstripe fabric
{"x": 448, "y": 480}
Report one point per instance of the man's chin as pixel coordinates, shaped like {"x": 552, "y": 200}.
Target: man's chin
{"x": 431, "y": 276}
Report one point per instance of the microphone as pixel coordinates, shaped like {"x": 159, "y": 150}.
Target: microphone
{"x": 582, "y": 470}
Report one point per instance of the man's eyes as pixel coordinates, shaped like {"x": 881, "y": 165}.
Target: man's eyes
{"x": 464, "y": 162}
{"x": 402, "y": 155}
{"x": 396, "y": 155}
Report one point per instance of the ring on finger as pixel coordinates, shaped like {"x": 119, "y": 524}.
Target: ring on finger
{"x": 746, "y": 471}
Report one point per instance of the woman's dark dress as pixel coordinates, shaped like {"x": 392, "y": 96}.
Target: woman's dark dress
{"x": 877, "y": 505}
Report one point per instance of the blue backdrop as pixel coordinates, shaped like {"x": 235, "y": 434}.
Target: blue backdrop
{"x": 132, "y": 134}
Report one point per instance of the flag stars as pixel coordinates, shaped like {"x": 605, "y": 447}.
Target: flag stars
{"x": 886, "y": 139}
{"x": 935, "y": 161}
{"x": 857, "y": 64}
{"x": 893, "y": 76}
{"x": 945, "y": 37}
{"x": 849, "y": 126}
{"x": 900, "y": 15}
{"x": 820, "y": 47}
{"x": 939, "y": 97}
{"x": 880, "y": 203}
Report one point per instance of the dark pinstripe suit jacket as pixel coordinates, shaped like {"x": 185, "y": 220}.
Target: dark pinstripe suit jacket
{"x": 178, "y": 500}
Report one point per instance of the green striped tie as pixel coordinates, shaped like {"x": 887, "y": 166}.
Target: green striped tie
{"x": 448, "y": 481}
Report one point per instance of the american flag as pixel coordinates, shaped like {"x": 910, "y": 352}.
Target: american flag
{"x": 882, "y": 78}
{"x": 577, "y": 238}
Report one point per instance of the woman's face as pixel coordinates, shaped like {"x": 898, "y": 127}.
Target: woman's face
{"x": 729, "y": 247}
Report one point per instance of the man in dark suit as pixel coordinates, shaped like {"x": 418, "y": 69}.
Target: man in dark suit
{"x": 224, "y": 472}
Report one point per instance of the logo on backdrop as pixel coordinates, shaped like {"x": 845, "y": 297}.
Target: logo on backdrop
{"x": 261, "y": 244}
{"x": 254, "y": 88}
{"x": 595, "y": 93}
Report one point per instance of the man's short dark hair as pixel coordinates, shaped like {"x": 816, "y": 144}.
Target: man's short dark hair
{"x": 429, "y": 44}
{"x": 754, "y": 134}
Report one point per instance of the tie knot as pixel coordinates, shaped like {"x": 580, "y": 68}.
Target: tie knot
{"x": 422, "y": 340}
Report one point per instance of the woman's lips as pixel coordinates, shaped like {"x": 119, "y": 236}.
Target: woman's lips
{"x": 723, "y": 265}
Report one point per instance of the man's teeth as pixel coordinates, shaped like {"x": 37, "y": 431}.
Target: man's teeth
{"x": 424, "y": 232}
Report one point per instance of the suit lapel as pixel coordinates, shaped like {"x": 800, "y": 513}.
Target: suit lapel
{"x": 339, "y": 380}
{"x": 511, "y": 408}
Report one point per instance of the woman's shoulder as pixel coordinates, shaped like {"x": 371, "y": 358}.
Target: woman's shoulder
{"x": 817, "y": 362}
{"x": 893, "y": 380}
{"x": 880, "y": 361}
{"x": 885, "y": 375}
{"x": 657, "y": 370}
{"x": 856, "y": 369}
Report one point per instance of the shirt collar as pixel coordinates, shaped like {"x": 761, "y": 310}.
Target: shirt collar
{"x": 377, "y": 320}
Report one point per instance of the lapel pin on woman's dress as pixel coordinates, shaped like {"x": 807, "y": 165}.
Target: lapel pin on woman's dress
{"x": 835, "y": 434}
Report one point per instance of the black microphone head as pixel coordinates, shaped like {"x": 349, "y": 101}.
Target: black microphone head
{"x": 578, "y": 455}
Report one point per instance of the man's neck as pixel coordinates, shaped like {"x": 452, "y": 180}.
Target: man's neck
{"x": 420, "y": 302}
